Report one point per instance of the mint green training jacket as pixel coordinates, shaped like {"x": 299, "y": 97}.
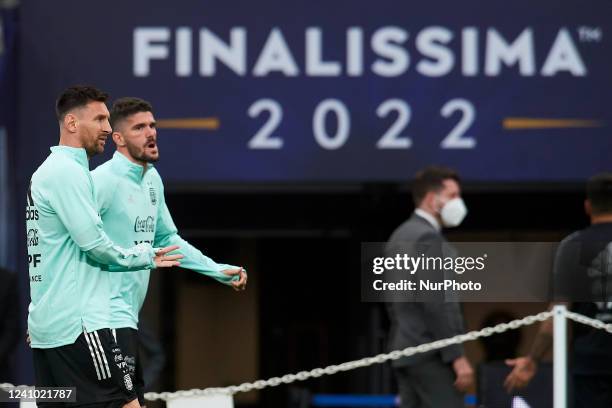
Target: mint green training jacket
{"x": 67, "y": 247}
{"x": 133, "y": 208}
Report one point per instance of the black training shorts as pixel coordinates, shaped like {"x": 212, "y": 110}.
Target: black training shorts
{"x": 127, "y": 339}
{"x": 94, "y": 364}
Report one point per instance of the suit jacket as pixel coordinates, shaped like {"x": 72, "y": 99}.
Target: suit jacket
{"x": 415, "y": 323}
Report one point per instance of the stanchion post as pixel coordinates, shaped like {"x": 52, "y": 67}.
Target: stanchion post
{"x": 560, "y": 357}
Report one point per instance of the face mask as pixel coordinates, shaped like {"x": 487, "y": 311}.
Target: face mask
{"x": 453, "y": 212}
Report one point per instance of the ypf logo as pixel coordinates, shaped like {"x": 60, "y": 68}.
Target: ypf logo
{"x": 34, "y": 260}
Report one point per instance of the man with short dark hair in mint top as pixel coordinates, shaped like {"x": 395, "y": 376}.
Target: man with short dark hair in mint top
{"x": 133, "y": 207}
{"x": 70, "y": 258}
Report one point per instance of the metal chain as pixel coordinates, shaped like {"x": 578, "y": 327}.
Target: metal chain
{"x": 9, "y": 386}
{"x": 597, "y": 324}
{"x": 368, "y": 361}
{"x": 351, "y": 365}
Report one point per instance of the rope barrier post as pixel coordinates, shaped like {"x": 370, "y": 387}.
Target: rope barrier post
{"x": 560, "y": 356}
{"x": 200, "y": 401}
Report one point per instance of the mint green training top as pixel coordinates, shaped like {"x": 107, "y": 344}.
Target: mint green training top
{"x": 66, "y": 250}
{"x": 133, "y": 208}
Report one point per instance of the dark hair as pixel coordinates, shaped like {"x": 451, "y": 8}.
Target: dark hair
{"x": 124, "y": 107}
{"x": 77, "y": 96}
{"x": 431, "y": 179}
{"x": 599, "y": 192}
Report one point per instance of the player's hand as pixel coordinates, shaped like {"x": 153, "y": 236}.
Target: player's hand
{"x": 163, "y": 260}
{"x": 523, "y": 371}
{"x": 465, "y": 374}
{"x": 28, "y": 339}
{"x": 132, "y": 404}
{"x": 240, "y": 284}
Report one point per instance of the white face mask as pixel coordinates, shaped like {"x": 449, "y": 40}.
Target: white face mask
{"x": 453, "y": 212}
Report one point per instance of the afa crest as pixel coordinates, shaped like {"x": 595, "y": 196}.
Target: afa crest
{"x": 153, "y": 196}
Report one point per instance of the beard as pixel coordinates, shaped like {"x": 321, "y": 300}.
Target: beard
{"x": 140, "y": 153}
{"x": 93, "y": 147}
{"x": 92, "y": 150}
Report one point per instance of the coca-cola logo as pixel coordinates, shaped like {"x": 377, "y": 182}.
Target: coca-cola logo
{"x": 144, "y": 224}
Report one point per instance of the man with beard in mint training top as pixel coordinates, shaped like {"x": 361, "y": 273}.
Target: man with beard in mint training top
{"x": 133, "y": 207}
{"x": 70, "y": 258}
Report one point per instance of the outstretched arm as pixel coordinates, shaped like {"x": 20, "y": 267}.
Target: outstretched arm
{"x": 166, "y": 234}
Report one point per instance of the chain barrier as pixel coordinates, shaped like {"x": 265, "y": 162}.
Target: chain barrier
{"x": 368, "y": 361}
{"x": 594, "y": 323}
{"x": 351, "y": 365}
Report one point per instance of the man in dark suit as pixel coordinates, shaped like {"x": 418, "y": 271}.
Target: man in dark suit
{"x": 439, "y": 378}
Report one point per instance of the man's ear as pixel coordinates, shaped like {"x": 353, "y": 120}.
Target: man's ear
{"x": 429, "y": 201}
{"x": 70, "y": 122}
{"x": 119, "y": 139}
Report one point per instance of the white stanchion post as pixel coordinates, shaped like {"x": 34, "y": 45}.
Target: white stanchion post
{"x": 559, "y": 357}
{"x": 203, "y": 401}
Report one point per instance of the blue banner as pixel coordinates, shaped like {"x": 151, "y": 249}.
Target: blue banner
{"x": 342, "y": 91}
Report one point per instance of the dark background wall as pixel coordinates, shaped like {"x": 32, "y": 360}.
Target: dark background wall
{"x": 302, "y": 252}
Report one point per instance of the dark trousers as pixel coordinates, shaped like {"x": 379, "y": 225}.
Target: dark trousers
{"x": 428, "y": 385}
